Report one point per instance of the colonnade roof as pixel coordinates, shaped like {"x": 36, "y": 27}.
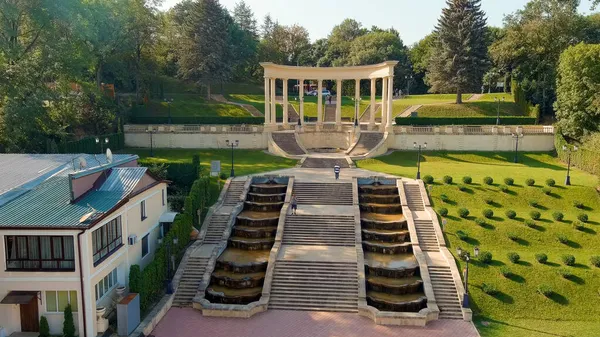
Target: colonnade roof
{"x": 380, "y": 70}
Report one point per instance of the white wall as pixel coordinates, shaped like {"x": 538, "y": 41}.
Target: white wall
{"x": 537, "y": 142}
{"x": 326, "y": 139}
{"x": 196, "y": 140}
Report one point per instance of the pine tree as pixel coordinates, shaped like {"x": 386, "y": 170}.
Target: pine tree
{"x": 68, "y": 324}
{"x": 458, "y": 61}
{"x": 244, "y": 17}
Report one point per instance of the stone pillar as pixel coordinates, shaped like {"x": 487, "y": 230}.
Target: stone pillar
{"x": 390, "y": 103}
{"x": 273, "y": 111}
{"x": 384, "y": 106}
{"x": 301, "y": 100}
{"x": 285, "y": 102}
{"x": 338, "y": 106}
{"x": 319, "y": 103}
{"x": 267, "y": 100}
{"x": 357, "y": 99}
{"x": 372, "y": 112}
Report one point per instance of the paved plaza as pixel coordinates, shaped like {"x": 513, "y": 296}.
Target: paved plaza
{"x": 186, "y": 322}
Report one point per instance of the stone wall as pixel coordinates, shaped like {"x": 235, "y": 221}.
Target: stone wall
{"x": 326, "y": 139}
{"x": 458, "y": 142}
{"x": 196, "y": 140}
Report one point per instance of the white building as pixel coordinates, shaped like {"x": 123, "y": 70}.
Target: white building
{"x": 69, "y": 234}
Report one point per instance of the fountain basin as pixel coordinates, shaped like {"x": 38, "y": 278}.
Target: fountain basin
{"x": 237, "y": 281}
{"x": 394, "y": 266}
{"x": 379, "y": 199}
{"x": 402, "y": 303}
{"x": 251, "y": 243}
{"x": 243, "y": 261}
{"x": 257, "y": 219}
{"x": 220, "y": 294}
{"x": 388, "y": 248}
{"x": 381, "y": 208}
{"x": 367, "y": 223}
{"x": 263, "y": 207}
{"x": 378, "y": 189}
{"x": 254, "y": 232}
{"x": 268, "y": 188}
{"x": 402, "y": 286}
{"x": 257, "y": 197}
{"x": 385, "y": 235}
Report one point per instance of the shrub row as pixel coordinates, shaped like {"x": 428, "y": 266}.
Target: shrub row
{"x": 116, "y": 141}
{"x": 583, "y": 158}
{"x": 197, "y": 120}
{"x": 513, "y": 120}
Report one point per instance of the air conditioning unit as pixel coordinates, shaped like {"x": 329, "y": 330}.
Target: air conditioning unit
{"x": 132, "y": 239}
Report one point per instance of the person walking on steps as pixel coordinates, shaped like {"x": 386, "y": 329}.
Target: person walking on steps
{"x": 294, "y": 203}
{"x": 336, "y": 170}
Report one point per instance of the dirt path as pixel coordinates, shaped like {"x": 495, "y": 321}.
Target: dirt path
{"x": 475, "y": 97}
{"x": 250, "y": 108}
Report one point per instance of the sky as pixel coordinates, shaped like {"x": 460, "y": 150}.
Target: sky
{"x": 413, "y": 19}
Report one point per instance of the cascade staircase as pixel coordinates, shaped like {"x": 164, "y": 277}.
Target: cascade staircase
{"x": 315, "y": 286}
{"x": 287, "y": 142}
{"x": 323, "y": 193}
{"x": 312, "y": 162}
{"x": 426, "y": 235}
{"x": 234, "y": 193}
{"x": 413, "y": 197}
{"x": 367, "y": 142}
{"x": 190, "y": 280}
{"x": 317, "y": 230}
{"x": 445, "y": 292}
{"x": 216, "y": 227}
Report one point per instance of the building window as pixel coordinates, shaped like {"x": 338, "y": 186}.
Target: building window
{"x": 56, "y": 301}
{"x": 163, "y": 197}
{"x": 107, "y": 239}
{"x": 145, "y": 246}
{"x": 143, "y": 209}
{"x": 35, "y": 253}
{"x": 108, "y": 283}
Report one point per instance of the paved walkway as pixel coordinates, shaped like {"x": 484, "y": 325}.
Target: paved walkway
{"x": 475, "y": 97}
{"x": 410, "y": 110}
{"x": 250, "y": 108}
{"x": 276, "y": 323}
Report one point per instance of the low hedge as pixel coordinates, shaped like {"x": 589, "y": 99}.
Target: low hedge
{"x": 513, "y": 120}
{"x": 583, "y": 159}
{"x": 116, "y": 141}
{"x": 197, "y": 120}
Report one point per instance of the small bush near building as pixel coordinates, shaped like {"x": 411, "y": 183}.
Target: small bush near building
{"x": 558, "y": 216}
{"x": 550, "y": 182}
{"x": 578, "y": 204}
{"x": 595, "y": 261}
{"x": 489, "y": 289}
{"x": 467, "y": 180}
{"x": 530, "y": 223}
{"x": 541, "y": 258}
{"x": 462, "y": 235}
{"x": 509, "y": 181}
{"x": 485, "y": 257}
{"x": 447, "y": 180}
{"x": 583, "y": 217}
{"x": 529, "y": 182}
{"x": 480, "y": 221}
{"x": 443, "y": 212}
{"x": 564, "y": 273}
{"x": 488, "y": 213}
{"x": 488, "y": 180}
{"x": 562, "y": 239}
{"x": 511, "y": 214}
{"x": 44, "y": 327}
{"x": 505, "y": 271}
{"x": 428, "y": 179}
{"x": 68, "y": 323}
{"x": 535, "y": 215}
{"x": 545, "y": 290}
{"x": 463, "y": 212}
{"x": 568, "y": 259}
{"x": 513, "y": 257}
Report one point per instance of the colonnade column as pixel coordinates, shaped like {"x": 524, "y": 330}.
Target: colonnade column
{"x": 357, "y": 100}
{"x": 267, "y": 100}
{"x": 301, "y": 99}
{"x": 320, "y": 102}
{"x": 384, "y": 105}
{"x": 285, "y": 102}
{"x": 372, "y": 111}
{"x": 390, "y": 103}
{"x": 338, "y": 105}
{"x": 273, "y": 110}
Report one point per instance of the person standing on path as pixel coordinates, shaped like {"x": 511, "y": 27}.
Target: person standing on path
{"x": 294, "y": 203}
{"x": 336, "y": 170}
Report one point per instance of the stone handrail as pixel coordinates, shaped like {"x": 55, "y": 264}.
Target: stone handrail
{"x": 476, "y": 129}
{"x": 192, "y": 128}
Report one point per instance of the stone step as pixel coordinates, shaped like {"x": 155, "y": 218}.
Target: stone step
{"x": 315, "y": 268}
{"x": 323, "y": 281}
{"x": 348, "y": 309}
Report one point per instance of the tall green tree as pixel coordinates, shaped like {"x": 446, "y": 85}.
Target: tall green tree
{"x": 244, "y": 18}
{"x": 578, "y": 90}
{"x": 459, "y": 58}
{"x": 420, "y": 54}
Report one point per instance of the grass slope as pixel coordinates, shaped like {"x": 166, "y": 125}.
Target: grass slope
{"x": 483, "y": 107}
{"x": 402, "y": 104}
{"x": 518, "y": 310}
{"x": 188, "y": 105}
{"x": 310, "y": 106}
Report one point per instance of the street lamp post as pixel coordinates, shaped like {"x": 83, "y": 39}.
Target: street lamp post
{"x": 497, "y": 100}
{"x": 301, "y": 100}
{"x": 517, "y": 136}
{"x": 569, "y": 151}
{"x": 466, "y": 295}
{"x": 418, "y": 146}
{"x": 169, "y": 101}
{"x": 356, "y": 105}
{"x": 99, "y": 141}
{"x": 232, "y": 144}
{"x": 408, "y": 79}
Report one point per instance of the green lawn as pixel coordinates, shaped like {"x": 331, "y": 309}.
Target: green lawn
{"x": 188, "y": 105}
{"x": 258, "y": 101}
{"x": 402, "y": 104}
{"x": 485, "y": 106}
{"x": 310, "y": 105}
{"x": 518, "y": 310}
{"x": 246, "y": 161}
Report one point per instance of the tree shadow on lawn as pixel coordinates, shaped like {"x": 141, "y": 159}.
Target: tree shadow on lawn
{"x": 524, "y": 263}
{"x": 545, "y": 220}
{"x": 587, "y": 230}
{"x": 511, "y": 192}
{"x": 468, "y": 191}
{"x": 538, "y": 228}
{"x": 587, "y": 208}
{"x": 558, "y": 298}
{"x": 521, "y": 242}
{"x": 516, "y": 278}
{"x": 580, "y": 266}
{"x": 450, "y": 202}
{"x": 452, "y": 217}
{"x": 572, "y": 244}
{"x": 552, "y": 264}
{"x": 541, "y": 207}
{"x": 497, "y": 219}
{"x": 555, "y": 195}
{"x": 503, "y": 297}
{"x": 497, "y": 263}
{"x": 495, "y": 204}
{"x": 593, "y": 222}
{"x": 576, "y": 279}
{"x": 488, "y": 226}
{"x": 471, "y": 241}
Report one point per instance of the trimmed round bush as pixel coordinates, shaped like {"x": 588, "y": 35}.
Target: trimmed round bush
{"x": 595, "y": 261}
{"x": 582, "y": 217}
{"x": 223, "y": 176}
{"x": 467, "y": 180}
{"x": 541, "y": 258}
{"x": 444, "y": 198}
{"x": 428, "y": 179}
{"x": 578, "y": 204}
{"x": 562, "y": 239}
{"x": 533, "y": 203}
{"x": 443, "y": 212}
{"x": 505, "y": 271}
{"x": 558, "y": 216}
{"x": 462, "y": 188}
{"x": 550, "y": 182}
{"x": 480, "y": 221}
{"x": 488, "y": 201}
{"x": 565, "y": 273}
{"x": 463, "y": 212}
{"x": 509, "y": 181}
{"x": 512, "y": 236}
{"x": 488, "y": 180}
{"x": 530, "y": 182}
{"x": 511, "y": 214}
{"x": 488, "y": 213}
{"x": 535, "y": 215}
{"x": 568, "y": 260}
{"x": 447, "y": 180}
{"x": 489, "y": 289}
{"x": 504, "y": 188}
{"x": 530, "y": 223}
{"x": 485, "y": 257}
{"x": 462, "y": 235}
{"x": 546, "y": 190}
{"x": 513, "y": 257}
{"x": 578, "y": 225}
{"x": 545, "y": 290}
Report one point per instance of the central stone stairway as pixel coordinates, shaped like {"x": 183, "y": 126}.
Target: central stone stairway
{"x": 313, "y": 162}
{"x": 367, "y": 142}
{"x": 323, "y": 193}
{"x": 188, "y": 285}
{"x": 426, "y": 235}
{"x": 445, "y": 292}
{"x": 232, "y": 198}
{"x": 318, "y": 231}
{"x": 287, "y": 142}
{"x": 216, "y": 227}
{"x": 413, "y": 197}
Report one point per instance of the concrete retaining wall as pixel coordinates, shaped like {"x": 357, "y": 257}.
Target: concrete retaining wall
{"x": 454, "y": 142}
{"x": 196, "y": 140}
{"x": 326, "y": 139}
